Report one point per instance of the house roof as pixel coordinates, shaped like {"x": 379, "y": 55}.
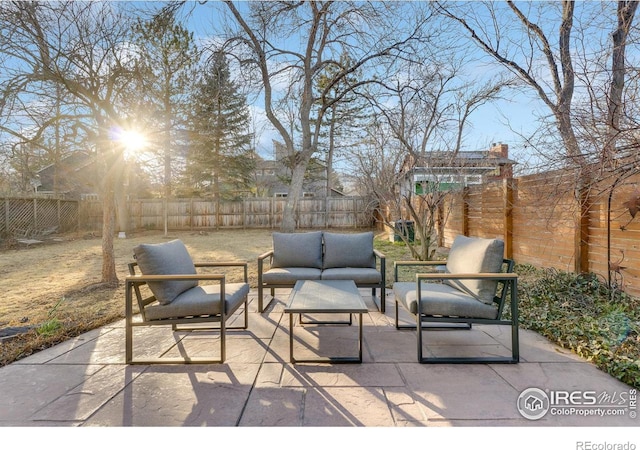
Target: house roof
{"x": 463, "y": 158}
{"x": 476, "y": 159}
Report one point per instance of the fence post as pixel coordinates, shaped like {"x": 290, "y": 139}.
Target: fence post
{"x": 35, "y": 213}
{"x": 465, "y": 211}
{"x": 244, "y": 213}
{"x": 6, "y": 215}
{"x": 582, "y": 231}
{"x": 507, "y": 192}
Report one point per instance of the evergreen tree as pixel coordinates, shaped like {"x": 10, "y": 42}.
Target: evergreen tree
{"x": 168, "y": 54}
{"x": 220, "y": 160}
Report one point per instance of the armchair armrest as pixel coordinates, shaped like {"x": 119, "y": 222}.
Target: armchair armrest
{"x": 261, "y": 259}
{"x": 379, "y": 254}
{"x": 242, "y": 264}
{"x": 398, "y": 264}
{"x": 501, "y": 276}
{"x": 142, "y": 279}
{"x": 383, "y": 264}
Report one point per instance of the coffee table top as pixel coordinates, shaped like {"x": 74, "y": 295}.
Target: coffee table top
{"x": 325, "y": 296}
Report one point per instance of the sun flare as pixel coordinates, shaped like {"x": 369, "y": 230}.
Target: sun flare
{"x": 133, "y": 141}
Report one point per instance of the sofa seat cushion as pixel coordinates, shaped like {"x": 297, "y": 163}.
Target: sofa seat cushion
{"x": 442, "y": 300}
{"x": 167, "y": 258}
{"x": 348, "y": 250}
{"x": 358, "y": 274}
{"x": 297, "y": 250}
{"x": 289, "y": 275}
{"x": 200, "y": 301}
{"x": 475, "y": 255}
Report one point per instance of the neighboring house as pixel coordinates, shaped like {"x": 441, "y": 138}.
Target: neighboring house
{"x": 273, "y": 176}
{"x": 448, "y": 170}
{"x": 74, "y": 176}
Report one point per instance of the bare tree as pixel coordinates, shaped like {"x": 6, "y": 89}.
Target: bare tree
{"x": 545, "y": 60}
{"x": 426, "y": 111}
{"x": 525, "y": 59}
{"x": 324, "y": 31}
{"x": 83, "y": 49}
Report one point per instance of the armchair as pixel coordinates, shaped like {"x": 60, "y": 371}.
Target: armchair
{"x": 168, "y": 292}
{"x": 472, "y": 290}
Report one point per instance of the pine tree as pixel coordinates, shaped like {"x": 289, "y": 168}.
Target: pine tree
{"x": 220, "y": 160}
{"x": 168, "y": 55}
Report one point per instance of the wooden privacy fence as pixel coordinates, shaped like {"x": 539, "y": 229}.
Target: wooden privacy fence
{"x": 34, "y": 215}
{"x": 539, "y": 219}
{"x": 203, "y": 214}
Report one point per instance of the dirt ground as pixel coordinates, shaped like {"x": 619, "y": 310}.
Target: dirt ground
{"x": 65, "y": 270}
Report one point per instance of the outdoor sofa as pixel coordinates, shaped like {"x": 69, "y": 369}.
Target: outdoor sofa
{"x": 321, "y": 255}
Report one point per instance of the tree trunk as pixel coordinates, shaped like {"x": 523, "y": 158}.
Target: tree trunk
{"x": 108, "y": 229}
{"x": 289, "y": 221}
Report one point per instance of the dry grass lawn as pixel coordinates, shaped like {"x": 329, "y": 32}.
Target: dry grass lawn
{"x": 67, "y": 272}
{"x": 60, "y": 279}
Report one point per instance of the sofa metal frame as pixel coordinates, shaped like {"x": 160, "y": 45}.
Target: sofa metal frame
{"x": 135, "y": 281}
{"x": 507, "y": 284}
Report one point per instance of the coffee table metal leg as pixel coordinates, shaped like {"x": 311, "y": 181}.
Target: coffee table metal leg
{"x": 360, "y": 337}
{"x": 330, "y": 359}
{"x": 291, "y": 338}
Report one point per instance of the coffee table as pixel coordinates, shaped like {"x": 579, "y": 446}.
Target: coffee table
{"x": 326, "y": 297}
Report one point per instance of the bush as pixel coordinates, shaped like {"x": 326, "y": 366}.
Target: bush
{"x": 580, "y": 313}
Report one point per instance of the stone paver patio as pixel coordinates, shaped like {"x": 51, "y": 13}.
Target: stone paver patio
{"x": 84, "y": 381}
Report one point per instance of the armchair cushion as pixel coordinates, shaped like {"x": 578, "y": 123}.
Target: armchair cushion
{"x": 169, "y": 258}
{"x": 297, "y": 250}
{"x": 200, "y": 301}
{"x": 441, "y": 300}
{"x": 475, "y": 255}
{"x": 348, "y": 250}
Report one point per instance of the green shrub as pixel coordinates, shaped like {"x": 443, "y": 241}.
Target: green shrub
{"x": 580, "y": 313}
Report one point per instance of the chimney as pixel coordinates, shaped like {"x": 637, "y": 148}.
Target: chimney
{"x": 499, "y": 150}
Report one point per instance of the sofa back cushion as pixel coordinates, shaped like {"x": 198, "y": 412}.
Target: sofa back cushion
{"x": 168, "y": 258}
{"x": 476, "y": 255}
{"x": 297, "y": 250}
{"x": 348, "y": 250}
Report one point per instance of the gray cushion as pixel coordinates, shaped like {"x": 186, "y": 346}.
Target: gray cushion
{"x": 200, "y": 301}
{"x": 297, "y": 249}
{"x": 289, "y": 275}
{"x": 475, "y": 255}
{"x": 168, "y": 258}
{"x": 442, "y": 300}
{"x": 348, "y": 250}
{"x": 360, "y": 275}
